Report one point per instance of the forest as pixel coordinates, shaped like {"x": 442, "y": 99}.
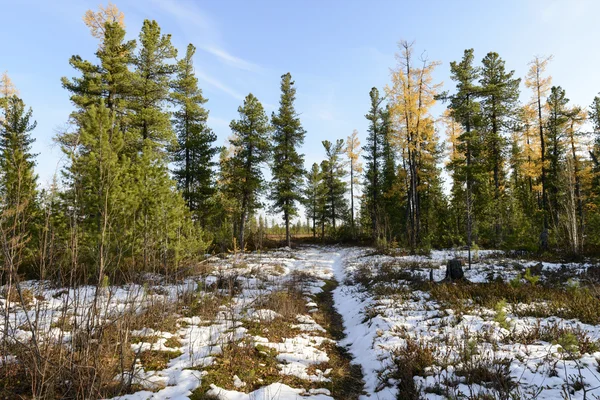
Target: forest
{"x": 148, "y": 199}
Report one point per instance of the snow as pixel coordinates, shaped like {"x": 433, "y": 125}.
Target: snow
{"x": 376, "y": 326}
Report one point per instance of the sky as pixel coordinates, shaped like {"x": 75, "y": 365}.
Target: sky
{"x": 335, "y": 50}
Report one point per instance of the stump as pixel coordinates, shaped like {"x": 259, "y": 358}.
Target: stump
{"x": 454, "y": 270}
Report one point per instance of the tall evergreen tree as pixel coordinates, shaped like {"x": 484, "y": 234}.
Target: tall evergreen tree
{"x": 195, "y": 151}
{"x": 251, "y": 149}
{"x": 465, "y": 109}
{"x": 334, "y": 173}
{"x": 150, "y": 87}
{"x": 558, "y": 117}
{"x": 499, "y": 95}
{"x": 288, "y": 166}
{"x": 110, "y": 80}
{"x": 373, "y": 162}
{"x": 18, "y": 182}
{"x": 313, "y": 196}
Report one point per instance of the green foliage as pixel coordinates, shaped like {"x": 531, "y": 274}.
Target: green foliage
{"x": 333, "y": 170}
{"x": 532, "y": 279}
{"x": 501, "y": 317}
{"x": 288, "y": 166}
{"x": 251, "y": 148}
{"x": 19, "y": 206}
{"x": 373, "y": 155}
{"x": 314, "y": 197}
{"x": 194, "y": 153}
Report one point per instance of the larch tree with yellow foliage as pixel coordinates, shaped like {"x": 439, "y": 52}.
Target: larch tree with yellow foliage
{"x": 411, "y": 96}
{"x": 540, "y": 86}
{"x": 353, "y": 151}
{"x": 7, "y": 90}
{"x": 97, "y": 20}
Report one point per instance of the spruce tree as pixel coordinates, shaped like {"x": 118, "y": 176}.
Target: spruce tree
{"x": 195, "y": 151}
{"x": 251, "y": 149}
{"x": 288, "y": 166}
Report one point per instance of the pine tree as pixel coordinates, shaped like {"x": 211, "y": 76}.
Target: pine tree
{"x": 555, "y": 151}
{"x": 109, "y": 81}
{"x": 195, "y": 152}
{"x": 373, "y": 161}
{"x": 334, "y": 172}
{"x": 499, "y": 96}
{"x": 288, "y": 166}
{"x": 99, "y": 174}
{"x": 121, "y": 115}
{"x": 353, "y": 151}
{"x": 18, "y": 181}
{"x": 465, "y": 109}
{"x": 251, "y": 149}
{"x": 150, "y": 87}
{"x": 313, "y": 196}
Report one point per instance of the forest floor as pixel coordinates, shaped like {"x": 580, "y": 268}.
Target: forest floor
{"x": 331, "y": 322}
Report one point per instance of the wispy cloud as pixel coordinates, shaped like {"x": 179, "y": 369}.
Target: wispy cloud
{"x": 232, "y": 60}
{"x": 218, "y": 84}
{"x": 206, "y": 30}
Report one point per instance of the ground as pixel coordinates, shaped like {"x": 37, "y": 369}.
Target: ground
{"x": 321, "y": 323}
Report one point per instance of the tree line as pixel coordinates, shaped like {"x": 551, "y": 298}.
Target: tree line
{"x": 146, "y": 188}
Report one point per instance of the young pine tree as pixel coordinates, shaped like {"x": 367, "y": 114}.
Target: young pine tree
{"x": 313, "y": 196}
{"x": 19, "y": 206}
{"x": 195, "y": 151}
{"x": 251, "y": 149}
{"x": 334, "y": 172}
{"x": 288, "y": 166}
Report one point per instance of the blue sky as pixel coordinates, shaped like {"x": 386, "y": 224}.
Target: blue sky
{"x": 336, "y": 51}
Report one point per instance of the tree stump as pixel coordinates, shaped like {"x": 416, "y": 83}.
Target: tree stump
{"x": 454, "y": 270}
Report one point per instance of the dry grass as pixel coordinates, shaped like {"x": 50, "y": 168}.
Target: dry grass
{"x": 255, "y": 365}
{"x": 156, "y": 360}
